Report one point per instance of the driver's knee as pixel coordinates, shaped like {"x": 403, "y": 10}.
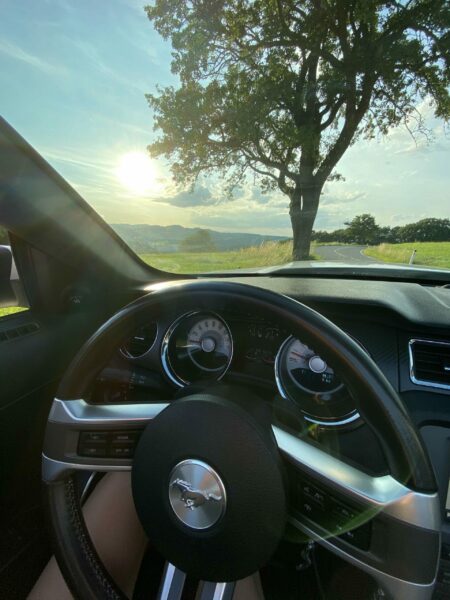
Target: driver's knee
{"x": 116, "y": 533}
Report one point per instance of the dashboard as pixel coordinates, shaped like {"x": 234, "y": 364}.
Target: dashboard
{"x": 402, "y": 326}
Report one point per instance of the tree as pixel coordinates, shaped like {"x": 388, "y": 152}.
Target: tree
{"x": 426, "y": 230}
{"x": 198, "y": 241}
{"x": 363, "y": 229}
{"x": 281, "y": 88}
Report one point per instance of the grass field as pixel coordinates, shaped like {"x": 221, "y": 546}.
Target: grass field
{"x": 270, "y": 253}
{"x": 11, "y": 310}
{"x": 431, "y": 254}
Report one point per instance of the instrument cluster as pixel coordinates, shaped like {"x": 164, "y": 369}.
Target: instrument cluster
{"x": 202, "y": 346}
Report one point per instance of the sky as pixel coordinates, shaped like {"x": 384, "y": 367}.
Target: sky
{"x": 73, "y": 79}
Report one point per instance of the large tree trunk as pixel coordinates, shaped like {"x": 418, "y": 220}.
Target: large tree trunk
{"x": 303, "y": 210}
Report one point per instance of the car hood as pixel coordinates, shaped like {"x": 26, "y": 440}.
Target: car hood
{"x": 342, "y": 269}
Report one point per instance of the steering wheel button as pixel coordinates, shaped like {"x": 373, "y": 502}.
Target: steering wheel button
{"x": 93, "y": 436}
{"x": 93, "y": 449}
{"x": 344, "y": 512}
{"x": 122, "y": 450}
{"x": 124, "y": 436}
{"x": 310, "y": 492}
{"x": 359, "y": 537}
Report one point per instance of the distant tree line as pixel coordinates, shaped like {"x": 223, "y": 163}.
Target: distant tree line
{"x": 198, "y": 241}
{"x": 363, "y": 229}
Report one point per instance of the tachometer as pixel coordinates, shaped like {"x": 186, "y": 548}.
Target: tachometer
{"x": 305, "y": 378}
{"x": 197, "y": 346}
{"x": 309, "y": 371}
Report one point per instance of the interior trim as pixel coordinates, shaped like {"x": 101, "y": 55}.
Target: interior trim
{"x": 397, "y": 588}
{"x": 382, "y": 493}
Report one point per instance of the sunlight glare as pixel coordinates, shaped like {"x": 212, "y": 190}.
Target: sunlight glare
{"x": 138, "y": 173}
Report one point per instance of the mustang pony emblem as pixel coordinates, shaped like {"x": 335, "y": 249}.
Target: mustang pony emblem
{"x": 191, "y": 497}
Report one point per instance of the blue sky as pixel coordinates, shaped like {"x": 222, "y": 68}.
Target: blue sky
{"x": 73, "y": 75}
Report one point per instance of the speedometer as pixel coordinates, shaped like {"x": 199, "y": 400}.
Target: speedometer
{"x": 209, "y": 343}
{"x": 306, "y": 379}
{"x": 197, "y": 346}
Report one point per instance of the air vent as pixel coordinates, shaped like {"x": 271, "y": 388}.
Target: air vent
{"x": 430, "y": 363}
{"x": 141, "y": 342}
{"x": 16, "y": 332}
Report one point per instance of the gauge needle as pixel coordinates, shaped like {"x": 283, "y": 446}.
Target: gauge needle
{"x": 298, "y": 354}
{"x": 194, "y": 341}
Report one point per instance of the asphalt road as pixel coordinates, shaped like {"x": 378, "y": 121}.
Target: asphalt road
{"x": 344, "y": 254}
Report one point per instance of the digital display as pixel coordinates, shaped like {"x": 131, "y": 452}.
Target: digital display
{"x": 257, "y": 342}
{"x": 263, "y": 342}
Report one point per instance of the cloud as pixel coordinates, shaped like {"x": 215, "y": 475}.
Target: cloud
{"x": 340, "y": 197}
{"x": 17, "y": 53}
{"x": 76, "y": 158}
{"x": 211, "y": 195}
{"x": 201, "y": 196}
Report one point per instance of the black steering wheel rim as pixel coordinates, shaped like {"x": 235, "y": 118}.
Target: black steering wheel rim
{"x": 381, "y": 407}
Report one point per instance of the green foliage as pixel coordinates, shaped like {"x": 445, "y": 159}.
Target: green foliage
{"x": 363, "y": 229}
{"x": 281, "y": 88}
{"x": 426, "y": 230}
{"x": 199, "y": 241}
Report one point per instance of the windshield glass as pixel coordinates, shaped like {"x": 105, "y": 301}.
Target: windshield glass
{"x": 232, "y": 135}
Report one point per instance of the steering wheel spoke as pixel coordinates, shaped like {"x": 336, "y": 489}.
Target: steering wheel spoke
{"x": 215, "y": 591}
{"x": 172, "y": 583}
{"x": 172, "y": 586}
{"x": 372, "y": 522}
{"x": 93, "y": 437}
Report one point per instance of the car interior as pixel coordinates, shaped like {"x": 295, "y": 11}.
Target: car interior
{"x": 331, "y": 481}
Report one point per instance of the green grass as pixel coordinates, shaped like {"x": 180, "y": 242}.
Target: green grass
{"x": 11, "y": 310}
{"x": 431, "y": 254}
{"x": 265, "y": 255}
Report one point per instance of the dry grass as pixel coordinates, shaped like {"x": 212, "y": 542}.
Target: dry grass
{"x": 265, "y": 255}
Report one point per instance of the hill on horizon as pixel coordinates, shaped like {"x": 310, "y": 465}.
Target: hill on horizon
{"x": 158, "y": 238}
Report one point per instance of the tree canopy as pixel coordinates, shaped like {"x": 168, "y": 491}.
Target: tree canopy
{"x": 363, "y": 229}
{"x": 281, "y": 88}
{"x": 198, "y": 241}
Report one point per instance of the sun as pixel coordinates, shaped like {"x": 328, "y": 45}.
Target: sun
{"x": 138, "y": 173}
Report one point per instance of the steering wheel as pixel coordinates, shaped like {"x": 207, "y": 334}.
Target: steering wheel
{"x": 216, "y": 482}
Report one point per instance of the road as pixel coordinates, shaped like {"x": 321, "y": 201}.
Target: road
{"x": 344, "y": 254}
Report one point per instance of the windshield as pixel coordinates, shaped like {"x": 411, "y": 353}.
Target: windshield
{"x": 239, "y": 135}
